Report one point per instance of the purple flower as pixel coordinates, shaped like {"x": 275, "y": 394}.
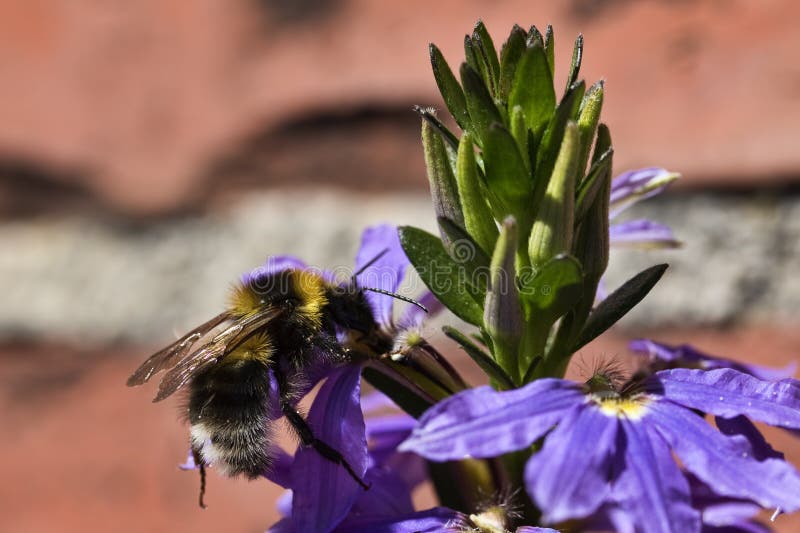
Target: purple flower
{"x": 721, "y": 513}
{"x": 605, "y": 444}
{"x": 386, "y": 506}
{"x": 666, "y": 356}
{"x": 629, "y": 188}
{"x": 635, "y": 185}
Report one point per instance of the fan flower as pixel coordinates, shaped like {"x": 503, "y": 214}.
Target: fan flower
{"x": 611, "y": 444}
{"x": 391, "y": 476}
{"x": 662, "y": 356}
{"x": 629, "y": 188}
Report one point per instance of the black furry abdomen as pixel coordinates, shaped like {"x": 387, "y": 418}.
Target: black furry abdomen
{"x": 229, "y": 411}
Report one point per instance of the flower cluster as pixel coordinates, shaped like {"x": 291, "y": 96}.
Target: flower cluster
{"x": 524, "y": 199}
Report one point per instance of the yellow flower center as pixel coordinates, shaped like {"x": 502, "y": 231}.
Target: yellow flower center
{"x": 632, "y": 408}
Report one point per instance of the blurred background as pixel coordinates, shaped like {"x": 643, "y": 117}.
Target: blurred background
{"x": 151, "y": 151}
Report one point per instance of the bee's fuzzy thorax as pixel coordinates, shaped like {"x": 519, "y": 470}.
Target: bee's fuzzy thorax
{"x": 310, "y": 289}
{"x": 306, "y": 288}
{"x": 243, "y": 300}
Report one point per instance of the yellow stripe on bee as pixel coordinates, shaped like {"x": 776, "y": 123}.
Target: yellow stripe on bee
{"x": 309, "y": 287}
{"x": 244, "y": 301}
{"x": 256, "y": 348}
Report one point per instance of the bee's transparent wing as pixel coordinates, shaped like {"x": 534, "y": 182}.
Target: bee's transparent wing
{"x": 211, "y": 352}
{"x": 169, "y": 356}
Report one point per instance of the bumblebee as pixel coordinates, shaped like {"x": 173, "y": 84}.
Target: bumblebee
{"x": 279, "y": 327}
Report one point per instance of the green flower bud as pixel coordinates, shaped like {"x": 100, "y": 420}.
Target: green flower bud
{"x": 552, "y": 229}
{"x": 478, "y": 219}
{"x": 444, "y": 192}
{"x": 502, "y": 315}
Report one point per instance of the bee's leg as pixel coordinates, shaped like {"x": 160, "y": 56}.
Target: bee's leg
{"x": 307, "y": 438}
{"x": 198, "y": 460}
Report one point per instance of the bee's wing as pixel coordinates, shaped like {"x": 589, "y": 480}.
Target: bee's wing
{"x": 211, "y": 352}
{"x": 169, "y": 356}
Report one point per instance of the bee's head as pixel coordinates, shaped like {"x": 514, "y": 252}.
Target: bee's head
{"x": 301, "y": 290}
{"x": 350, "y": 308}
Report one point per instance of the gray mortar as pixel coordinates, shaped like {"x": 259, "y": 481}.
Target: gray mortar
{"x": 88, "y": 281}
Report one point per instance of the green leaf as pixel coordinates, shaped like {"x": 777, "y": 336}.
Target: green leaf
{"x": 510, "y": 55}
{"x": 552, "y": 229}
{"x": 532, "y": 89}
{"x": 507, "y": 177}
{"x": 588, "y": 119}
{"x": 478, "y": 219}
{"x": 450, "y": 479}
{"x": 521, "y": 134}
{"x": 592, "y": 184}
{"x": 591, "y": 247}
{"x": 485, "y": 46}
{"x": 451, "y": 91}
{"x": 445, "y": 279}
{"x": 575, "y": 64}
{"x": 529, "y": 374}
{"x": 550, "y": 145}
{"x": 442, "y": 182}
{"x": 464, "y": 251}
{"x": 617, "y": 305}
{"x": 399, "y": 389}
{"x": 555, "y": 287}
{"x": 477, "y": 62}
{"x": 481, "y": 358}
{"x": 535, "y": 36}
{"x": 482, "y": 110}
{"x": 602, "y": 143}
{"x": 549, "y": 49}
{"x": 428, "y": 116}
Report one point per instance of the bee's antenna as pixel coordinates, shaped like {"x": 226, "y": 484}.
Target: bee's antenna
{"x": 381, "y": 291}
{"x": 398, "y": 296}
{"x": 371, "y": 262}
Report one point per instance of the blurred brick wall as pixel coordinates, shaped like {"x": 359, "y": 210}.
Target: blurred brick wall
{"x": 112, "y": 111}
{"x": 143, "y": 105}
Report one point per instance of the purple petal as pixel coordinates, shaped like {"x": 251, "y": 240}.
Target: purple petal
{"x": 531, "y": 529}
{"x": 189, "y": 464}
{"x": 413, "y": 316}
{"x": 374, "y": 402}
{"x": 724, "y": 464}
{"x": 728, "y": 393}
{"x": 613, "y": 518}
{"x": 634, "y": 185}
{"x": 687, "y": 355}
{"x": 569, "y": 477}
{"x": 385, "y": 433}
{"x": 284, "y": 503}
{"x": 719, "y": 510}
{"x": 323, "y": 490}
{"x": 740, "y": 527}
{"x": 651, "y": 487}
{"x": 274, "y": 264}
{"x": 280, "y": 471}
{"x": 482, "y": 422}
{"x": 388, "y": 496}
{"x": 283, "y": 526}
{"x": 410, "y": 467}
{"x": 436, "y": 520}
{"x": 386, "y": 272}
{"x": 642, "y": 234}
{"x": 740, "y": 427}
